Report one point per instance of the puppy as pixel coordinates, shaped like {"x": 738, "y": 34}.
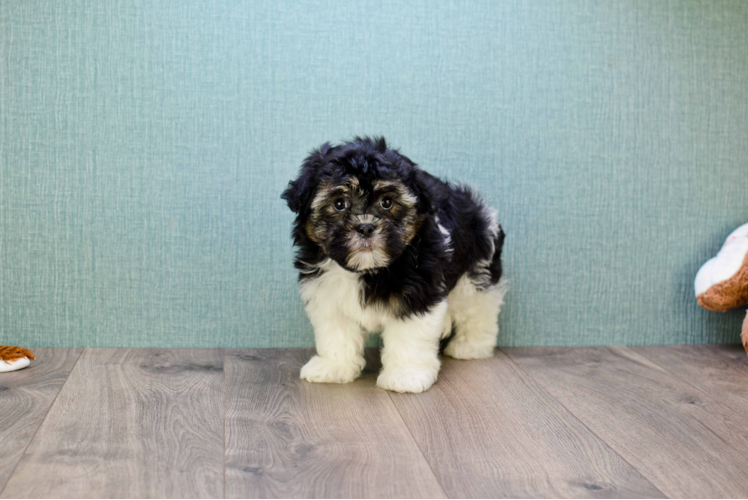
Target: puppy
{"x": 385, "y": 247}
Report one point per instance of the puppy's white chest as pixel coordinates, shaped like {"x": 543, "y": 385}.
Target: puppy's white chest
{"x": 339, "y": 292}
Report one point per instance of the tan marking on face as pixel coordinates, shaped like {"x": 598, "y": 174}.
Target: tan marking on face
{"x": 354, "y": 185}
{"x": 411, "y": 228}
{"x": 325, "y": 193}
{"x": 404, "y": 196}
{"x": 309, "y": 229}
{"x": 404, "y": 208}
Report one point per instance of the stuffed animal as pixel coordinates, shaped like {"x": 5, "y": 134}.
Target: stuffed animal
{"x": 722, "y": 283}
{"x": 14, "y": 358}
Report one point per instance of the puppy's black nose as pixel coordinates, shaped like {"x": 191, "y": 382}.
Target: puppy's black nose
{"x": 365, "y": 230}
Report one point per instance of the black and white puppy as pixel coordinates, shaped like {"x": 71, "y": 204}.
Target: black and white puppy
{"x": 385, "y": 247}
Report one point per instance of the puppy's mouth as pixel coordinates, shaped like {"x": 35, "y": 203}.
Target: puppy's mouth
{"x": 363, "y": 246}
{"x": 360, "y": 244}
{"x": 366, "y": 255}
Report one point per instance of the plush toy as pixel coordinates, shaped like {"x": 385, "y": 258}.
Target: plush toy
{"x": 722, "y": 283}
{"x": 14, "y": 358}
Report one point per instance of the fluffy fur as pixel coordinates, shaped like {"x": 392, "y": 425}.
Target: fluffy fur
{"x": 385, "y": 247}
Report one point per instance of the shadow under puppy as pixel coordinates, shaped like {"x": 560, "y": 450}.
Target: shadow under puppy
{"x": 385, "y": 247}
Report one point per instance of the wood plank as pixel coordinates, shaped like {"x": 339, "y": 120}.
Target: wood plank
{"x": 719, "y": 370}
{"x": 288, "y": 438}
{"x": 25, "y": 397}
{"x": 131, "y": 423}
{"x": 489, "y": 431}
{"x": 684, "y": 441}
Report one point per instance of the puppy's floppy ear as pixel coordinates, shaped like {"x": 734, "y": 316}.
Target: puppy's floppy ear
{"x": 299, "y": 193}
{"x": 426, "y": 189}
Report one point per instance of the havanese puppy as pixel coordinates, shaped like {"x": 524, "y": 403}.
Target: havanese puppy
{"x": 385, "y": 247}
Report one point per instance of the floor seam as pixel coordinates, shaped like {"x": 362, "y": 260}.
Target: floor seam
{"x": 67, "y": 377}
{"x": 418, "y": 446}
{"x": 581, "y": 422}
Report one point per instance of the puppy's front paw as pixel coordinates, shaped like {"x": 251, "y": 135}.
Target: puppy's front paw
{"x": 322, "y": 370}
{"x": 407, "y": 379}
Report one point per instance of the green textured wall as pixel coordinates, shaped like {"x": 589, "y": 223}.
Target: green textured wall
{"x": 144, "y": 146}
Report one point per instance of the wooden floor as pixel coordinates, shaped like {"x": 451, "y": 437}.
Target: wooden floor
{"x": 530, "y": 422}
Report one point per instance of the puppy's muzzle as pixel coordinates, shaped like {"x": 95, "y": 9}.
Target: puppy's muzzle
{"x": 365, "y": 230}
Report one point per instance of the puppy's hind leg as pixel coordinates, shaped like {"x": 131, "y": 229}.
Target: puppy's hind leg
{"x": 475, "y": 314}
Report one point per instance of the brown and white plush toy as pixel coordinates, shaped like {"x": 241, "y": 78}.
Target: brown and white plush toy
{"x": 14, "y": 358}
{"x": 722, "y": 283}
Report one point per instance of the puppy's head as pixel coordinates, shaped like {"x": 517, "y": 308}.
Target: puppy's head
{"x": 361, "y": 203}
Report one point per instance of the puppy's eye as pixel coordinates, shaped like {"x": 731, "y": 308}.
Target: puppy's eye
{"x": 339, "y": 204}
{"x": 386, "y": 203}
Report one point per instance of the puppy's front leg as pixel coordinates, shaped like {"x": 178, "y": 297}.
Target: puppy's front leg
{"x": 410, "y": 357}
{"x": 340, "y": 347}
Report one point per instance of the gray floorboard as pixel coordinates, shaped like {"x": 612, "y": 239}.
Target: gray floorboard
{"x": 534, "y": 422}
{"x": 719, "y": 370}
{"x": 131, "y": 423}
{"x": 25, "y": 397}
{"x": 489, "y": 431}
{"x": 687, "y": 443}
{"x": 286, "y": 438}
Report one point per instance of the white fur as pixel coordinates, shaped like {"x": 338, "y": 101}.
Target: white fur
{"x": 368, "y": 259}
{"x": 410, "y": 355}
{"x": 332, "y": 301}
{"x": 473, "y": 313}
{"x": 727, "y": 262}
{"x": 447, "y": 238}
{"x": 365, "y": 219}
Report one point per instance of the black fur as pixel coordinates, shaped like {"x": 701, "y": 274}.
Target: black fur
{"x": 421, "y": 273}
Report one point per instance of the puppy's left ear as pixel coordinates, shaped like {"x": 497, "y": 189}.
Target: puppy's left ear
{"x": 426, "y": 188}
{"x": 299, "y": 192}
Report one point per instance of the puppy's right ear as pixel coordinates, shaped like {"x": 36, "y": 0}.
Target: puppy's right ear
{"x": 299, "y": 193}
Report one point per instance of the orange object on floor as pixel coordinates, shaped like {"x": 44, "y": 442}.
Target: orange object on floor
{"x": 12, "y": 353}
{"x": 14, "y": 358}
